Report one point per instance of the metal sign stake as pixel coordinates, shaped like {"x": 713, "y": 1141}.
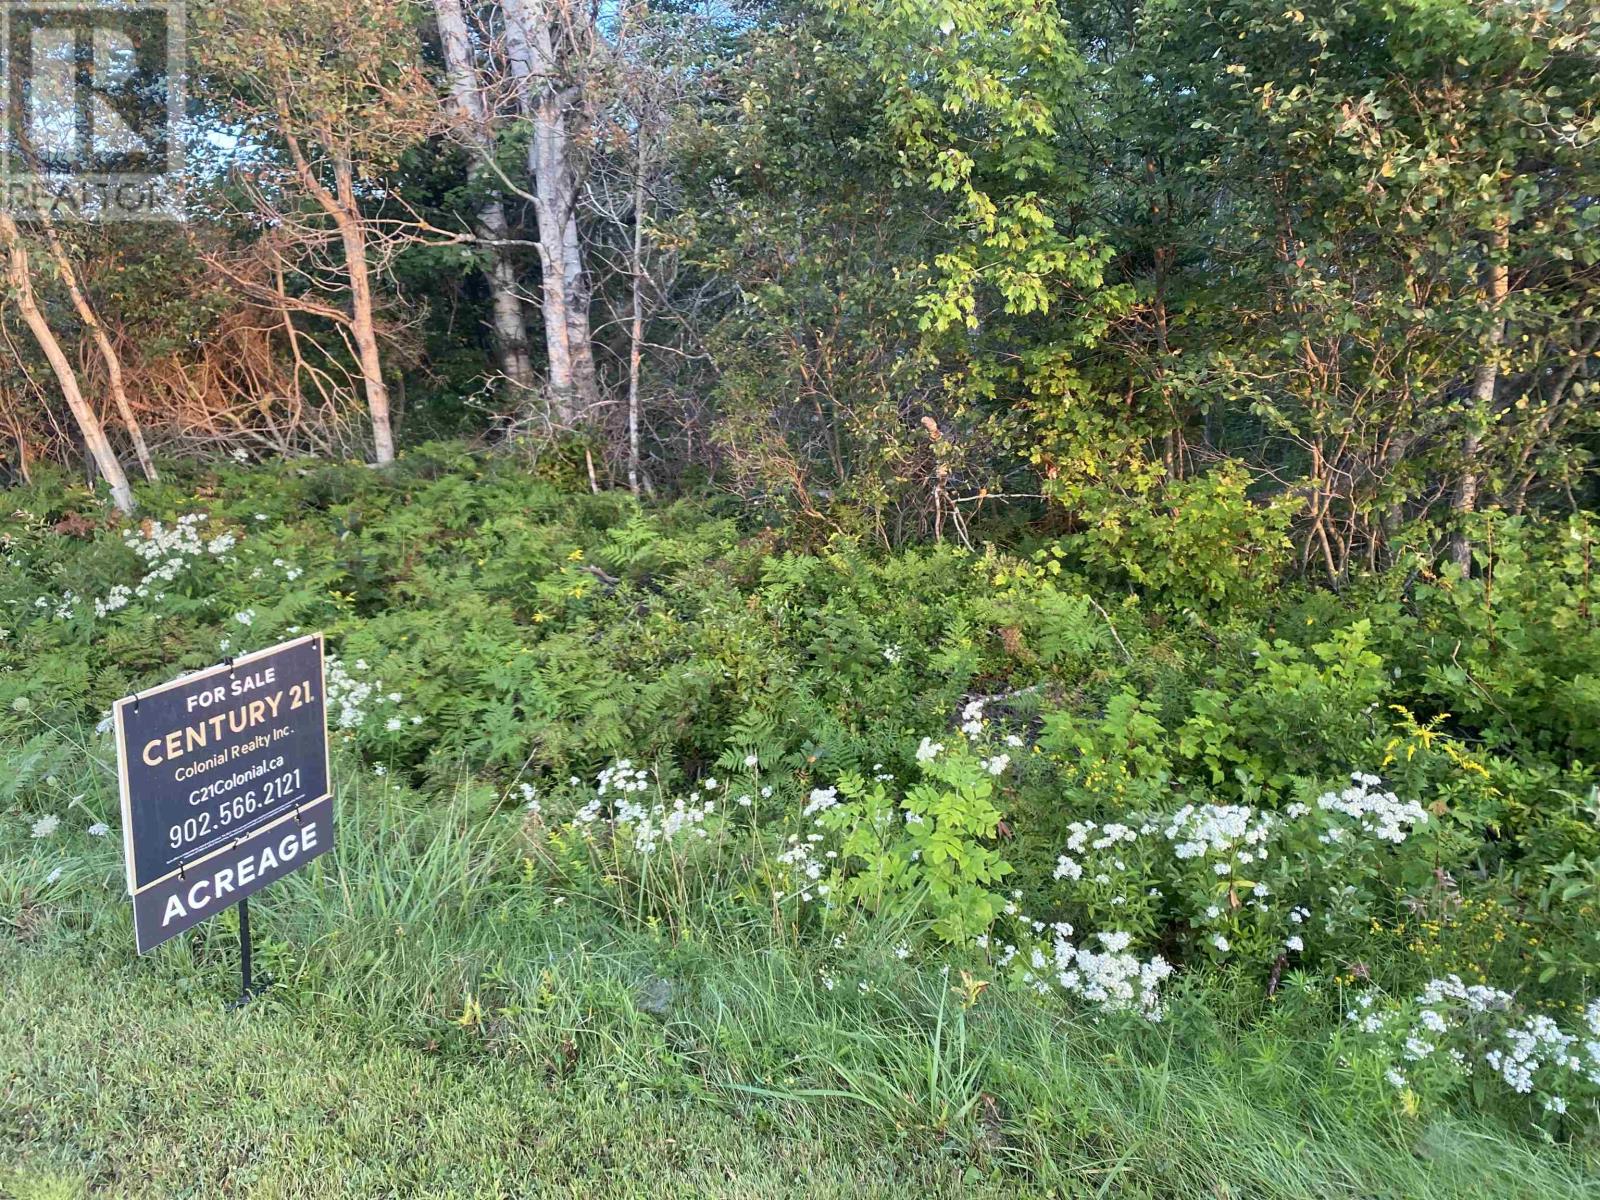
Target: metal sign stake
{"x": 248, "y": 989}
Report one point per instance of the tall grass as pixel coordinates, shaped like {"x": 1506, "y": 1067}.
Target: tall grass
{"x": 432, "y": 926}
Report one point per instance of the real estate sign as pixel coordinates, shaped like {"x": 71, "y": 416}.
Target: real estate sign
{"x": 225, "y": 785}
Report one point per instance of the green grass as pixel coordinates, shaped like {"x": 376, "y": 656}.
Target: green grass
{"x": 114, "y": 1086}
{"x": 445, "y": 1025}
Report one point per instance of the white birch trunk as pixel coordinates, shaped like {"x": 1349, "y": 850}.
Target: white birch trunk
{"x": 510, "y": 328}
{"x": 94, "y": 434}
{"x": 108, "y": 353}
{"x": 530, "y": 45}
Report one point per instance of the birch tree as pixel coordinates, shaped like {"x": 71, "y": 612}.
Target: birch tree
{"x": 473, "y": 123}
{"x": 103, "y": 345}
{"x": 19, "y": 273}
{"x": 547, "y": 46}
{"x": 333, "y": 87}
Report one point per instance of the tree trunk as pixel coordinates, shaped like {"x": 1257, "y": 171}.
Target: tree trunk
{"x": 636, "y": 326}
{"x": 94, "y": 434}
{"x": 510, "y": 329}
{"x": 108, "y": 352}
{"x": 530, "y": 50}
{"x": 1483, "y": 384}
{"x": 363, "y": 327}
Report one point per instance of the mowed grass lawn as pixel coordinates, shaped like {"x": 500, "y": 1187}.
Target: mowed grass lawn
{"x": 113, "y": 1085}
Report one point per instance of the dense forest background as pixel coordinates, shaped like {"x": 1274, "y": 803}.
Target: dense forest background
{"x": 1229, "y": 290}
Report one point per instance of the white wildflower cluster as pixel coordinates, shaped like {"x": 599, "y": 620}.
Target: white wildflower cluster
{"x": 929, "y": 750}
{"x": 972, "y": 718}
{"x": 1087, "y": 835}
{"x": 892, "y": 653}
{"x": 647, "y": 828}
{"x": 1109, "y": 977}
{"x": 1456, "y": 1028}
{"x": 661, "y": 824}
{"x": 530, "y": 798}
{"x": 820, "y": 801}
{"x": 116, "y": 598}
{"x": 622, "y": 778}
{"x": 1245, "y": 851}
{"x": 1379, "y": 813}
{"x": 351, "y": 700}
{"x": 998, "y": 764}
{"x": 1232, "y": 831}
{"x": 62, "y": 607}
{"x": 167, "y": 550}
{"x": 805, "y": 865}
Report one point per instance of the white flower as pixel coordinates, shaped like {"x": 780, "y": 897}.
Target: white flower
{"x": 53, "y": 876}
{"x": 821, "y": 800}
{"x": 929, "y": 750}
{"x": 1295, "y": 943}
{"x": 751, "y": 761}
{"x": 240, "y": 454}
{"x": 1068, "y": 868}
{"x": 972, "y": 718}
{"x": 247, "y": 617}
{"x": 380, "y": 770}
{"x": 393, "y": 724}
{"x": 46, "y": 825}
{"x": 1221, "y": 943}
{"x": 1382, "y": 814}
{"x": 99, "y": 829}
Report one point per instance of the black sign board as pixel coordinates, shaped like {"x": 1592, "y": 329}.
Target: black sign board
{"x": 225, "y": 785}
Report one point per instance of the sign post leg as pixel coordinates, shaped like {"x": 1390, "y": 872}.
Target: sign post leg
{"x": 244, "y": 950}
{"x": 247, "y": 985}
